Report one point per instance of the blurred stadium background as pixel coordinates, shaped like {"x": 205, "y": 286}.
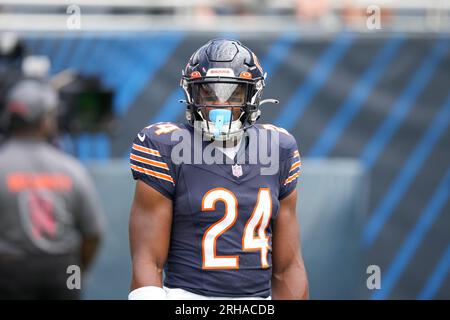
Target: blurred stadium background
{"x": 369, "y": 106}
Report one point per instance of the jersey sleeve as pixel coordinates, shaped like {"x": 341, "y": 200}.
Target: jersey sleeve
{"x": 150, "y": 162}
{"x": 291, "y": 168}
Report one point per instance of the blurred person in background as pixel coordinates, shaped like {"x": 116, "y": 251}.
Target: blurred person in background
{"x": 50, "y": 215}
{"x": 355, "y": 14}
{"x": 11, "y": 57}
{"x": 311, "y": 9}
{"x": 318, "y": 13}
{"x": 238, "y": 7}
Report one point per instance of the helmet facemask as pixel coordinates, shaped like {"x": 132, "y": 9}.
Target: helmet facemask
{"x": 226, "y": 76}
{"x": 222, "y": 108}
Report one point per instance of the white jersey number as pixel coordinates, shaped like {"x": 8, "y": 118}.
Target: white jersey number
{"x": 256, "y": 225}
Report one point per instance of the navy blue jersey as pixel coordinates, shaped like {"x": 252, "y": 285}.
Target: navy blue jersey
{"x": 222, "y": 212}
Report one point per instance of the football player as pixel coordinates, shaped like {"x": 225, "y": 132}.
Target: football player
{"x": 202, "y": 230}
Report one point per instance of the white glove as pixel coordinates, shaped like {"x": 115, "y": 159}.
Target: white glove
{"x": 148, "y": 293}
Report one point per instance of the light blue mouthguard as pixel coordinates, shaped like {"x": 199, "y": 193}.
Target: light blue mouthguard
{"x": 220, "y": 117}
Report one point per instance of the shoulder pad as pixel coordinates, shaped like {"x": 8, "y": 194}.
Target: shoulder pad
{"x": 286, "y": 142}
{"x": 159, "y": 136}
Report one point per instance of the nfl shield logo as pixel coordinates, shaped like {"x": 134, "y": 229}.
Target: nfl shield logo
{"x": 237, "y": 170}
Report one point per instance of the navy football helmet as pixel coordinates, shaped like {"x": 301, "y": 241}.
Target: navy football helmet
{"x": 223, "y": 84}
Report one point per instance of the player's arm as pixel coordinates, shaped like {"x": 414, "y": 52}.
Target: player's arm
{"x": 89, "y": 249}
{"x": 90, "y": 217}
{"x": 289, "y": 279}
{"x": 149, "y": 231}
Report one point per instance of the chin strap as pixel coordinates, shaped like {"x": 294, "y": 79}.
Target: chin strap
{"x": 191, "y": 118}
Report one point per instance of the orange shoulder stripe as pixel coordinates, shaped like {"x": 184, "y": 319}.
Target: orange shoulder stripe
{"x": 155, "y": 163}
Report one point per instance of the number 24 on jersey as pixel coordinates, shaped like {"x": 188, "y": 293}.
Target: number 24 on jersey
{"x": 256, "y": 225}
